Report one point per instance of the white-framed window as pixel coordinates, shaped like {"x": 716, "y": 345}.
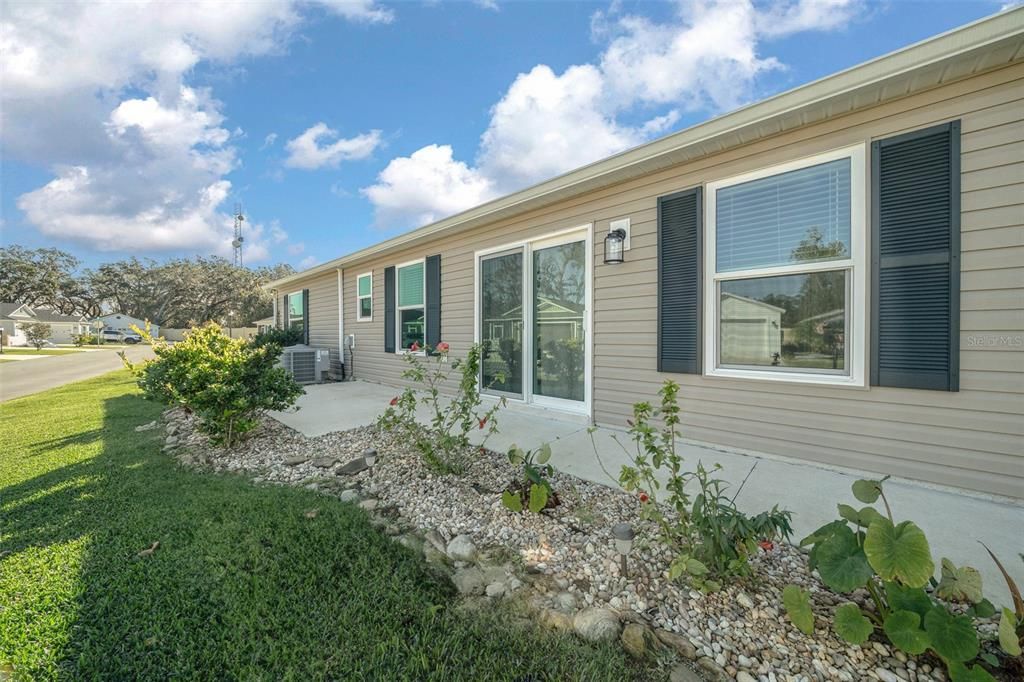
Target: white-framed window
{"x": 410, "y": 308}
{"x": 364, "y": 297}
{"x": 296, "y": 310}
{"x": 785, "y": 272}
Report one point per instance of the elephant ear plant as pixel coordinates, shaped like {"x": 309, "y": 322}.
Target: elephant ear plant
{"x": 534, "y": 491}
{"x": 892, "y": 561}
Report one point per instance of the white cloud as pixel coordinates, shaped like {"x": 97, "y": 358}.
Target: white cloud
{"x": 706, "y": 58}
{"x": 140, "y": 159}
{"x": 268, "y": 141}
{"x": 487, "y": 4}
{"x": 426, "y": 186}
{"x": 313, "y": 148}
{"x": 308, "y": 262}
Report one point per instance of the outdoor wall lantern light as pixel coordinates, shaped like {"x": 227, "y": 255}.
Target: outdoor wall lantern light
{"x": 370, "y": 457}
{"x": 614, "y": 246}
{"x": 623, "y": 534}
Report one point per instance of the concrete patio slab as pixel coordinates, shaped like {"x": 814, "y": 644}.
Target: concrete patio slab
{"x": 954, "y": 520}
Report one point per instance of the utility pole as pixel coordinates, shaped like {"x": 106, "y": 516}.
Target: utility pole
{"x": 236, "y": 243}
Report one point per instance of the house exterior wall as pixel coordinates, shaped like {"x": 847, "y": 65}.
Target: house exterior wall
{"x": 323, "y": 313}
{"x": 970, "y": 439}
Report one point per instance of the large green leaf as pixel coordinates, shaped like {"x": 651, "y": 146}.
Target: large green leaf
{"x": 862, "y": 517}
{"x": 899, "y": 552}
{"x": 952, "y": 637}
{"x": 538, "y": 497}
{"x": 1008, "y": 633}
{"x": 543, "y": 454}
{"x": 904, "y": 630}
{"x": 958, "y": 672}
{"x": 798, "y": 607}
{"x": 867, "y": 490}
{"x": 851, "y": 625}
{"x": 959, "y": 584}
{"x": 841, "y": 561}
{"x": 903, "y": 598}
{"x": 512, "y": 501}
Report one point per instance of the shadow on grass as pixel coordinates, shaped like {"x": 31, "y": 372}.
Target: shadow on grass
{"x": 243, "y": 583}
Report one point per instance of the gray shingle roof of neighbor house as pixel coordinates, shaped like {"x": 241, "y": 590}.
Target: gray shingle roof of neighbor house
{"x": 985, "y": 44}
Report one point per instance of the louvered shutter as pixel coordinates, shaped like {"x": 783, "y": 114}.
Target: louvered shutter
{"x": 389, "y": 310}
{"x": 284, "y": 313}
{"x": 305, "y": 316}
{"x": 679, "y": 282}
{"x": 433, "y": 301}
{"x": 916, "y": 259}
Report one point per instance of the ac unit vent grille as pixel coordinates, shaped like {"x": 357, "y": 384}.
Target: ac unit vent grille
{"x": 304, "y": 366}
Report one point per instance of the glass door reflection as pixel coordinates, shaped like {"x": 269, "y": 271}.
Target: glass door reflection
{"x": 559, "y": 307}
{"x": 501, "y": 321}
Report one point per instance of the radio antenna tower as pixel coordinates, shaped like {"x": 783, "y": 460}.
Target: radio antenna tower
{"x": 236, "y": 243}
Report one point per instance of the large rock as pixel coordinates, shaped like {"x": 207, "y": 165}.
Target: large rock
{"x": 350, "y": 495}
{"x": 596, "y": 625}
{"x": 637, "y": 640}
{"x": 565, "y": 601}
{"x": 495, "y": 590}
{"x": 324, "y": 462}
{"x": 556, "y": 620}
{"x": 353, "y": 467}
{"x": 681, "y": 645}
{"x": 684, "y": 673}
{"x": 461, "y": 548}
{"x": 435, "y": 539}
{"x": 295, "y": 461}
{"x": 469, "y": 581}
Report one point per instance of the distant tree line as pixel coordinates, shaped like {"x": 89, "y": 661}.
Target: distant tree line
{"x": 175, "y": 293}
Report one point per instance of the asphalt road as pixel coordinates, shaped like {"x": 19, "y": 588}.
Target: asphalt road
{"x": 25, "y": 377}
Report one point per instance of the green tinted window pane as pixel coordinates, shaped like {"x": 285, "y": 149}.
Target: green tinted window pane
{"x": 365, "y": 284}
{"x": 410, "y": 325}
{"x": 788, "y": 322}
{"x": 295, "y": 303}
{"x": 410, "y": 285}
{"x": 365, "y": 307}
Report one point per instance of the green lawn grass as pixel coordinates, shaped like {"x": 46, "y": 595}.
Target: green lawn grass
{"x": 243, "y": 584}
{"x": 41, "y": 351}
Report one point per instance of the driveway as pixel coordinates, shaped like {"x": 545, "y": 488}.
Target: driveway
{"x": 26, "y": 377}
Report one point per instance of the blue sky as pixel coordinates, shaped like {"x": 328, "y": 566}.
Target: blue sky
{"x": 133, "y": 129}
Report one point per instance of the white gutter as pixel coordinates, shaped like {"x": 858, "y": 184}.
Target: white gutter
{"x": 940, "y": 50}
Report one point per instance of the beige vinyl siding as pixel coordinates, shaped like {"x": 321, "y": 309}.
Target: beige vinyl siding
{"x": 323, "y": 313}
{"x": 973, "y": 438}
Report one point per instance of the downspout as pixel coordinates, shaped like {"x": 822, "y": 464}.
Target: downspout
{"x": 274, "y": 294}
{"x": 341, "y": 320}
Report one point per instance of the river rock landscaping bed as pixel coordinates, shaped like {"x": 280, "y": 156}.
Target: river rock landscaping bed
{"x": 562, "y": 564}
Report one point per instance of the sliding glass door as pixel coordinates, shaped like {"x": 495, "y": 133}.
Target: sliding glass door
{"x": 501, "y": 323}
{"x": 559, "y": 304}
{"x": 532, "y": 321}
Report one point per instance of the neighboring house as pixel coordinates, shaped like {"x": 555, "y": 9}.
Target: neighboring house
{"x": 63, "y": 328}
{"x": 124, "y": 323}
{"x": 263, "y": 325}
{"x": 900, "y": 356}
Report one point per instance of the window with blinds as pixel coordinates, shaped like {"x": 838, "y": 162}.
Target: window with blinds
{"x": 411, "y": 311}
{"x": 785, "y": 295}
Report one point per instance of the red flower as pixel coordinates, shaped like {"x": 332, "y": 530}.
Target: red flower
{"x": 415, "y": 346}
{"x": 394, "y": 401}
{"x": 442, "y": 347}
{"x": 644, "y": 498}
{"x": 483, "y": 422}
{"x": 766, "y": 545}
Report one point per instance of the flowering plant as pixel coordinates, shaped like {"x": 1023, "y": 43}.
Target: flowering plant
{"x": 443, "y": 441}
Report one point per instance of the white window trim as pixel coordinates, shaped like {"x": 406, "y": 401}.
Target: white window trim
{"x": 398, "y": 309}
{"x": 359, "y": 299}
{"x": 584, "y": 232}
{"x": 856, "y": 336}
{"x": 288, "y": 312}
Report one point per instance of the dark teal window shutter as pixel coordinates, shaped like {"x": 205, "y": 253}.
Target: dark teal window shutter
{"x": 389, "y": 310}
{"x": 305, "y": 316}
{"x": 916, "y": 259}
{"x": 284, "y": 314}
{"x": 679, "y": 282}
{"x": 433, "y": 295}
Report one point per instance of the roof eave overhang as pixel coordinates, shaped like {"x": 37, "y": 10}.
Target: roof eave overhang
{"x": 981, "y": 46}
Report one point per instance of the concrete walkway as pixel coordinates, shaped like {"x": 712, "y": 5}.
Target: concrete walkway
{"x": 953, "y": 520}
